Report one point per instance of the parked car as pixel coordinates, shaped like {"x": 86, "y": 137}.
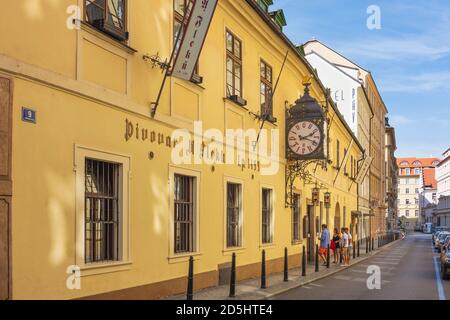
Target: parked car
{"x": 435, "y": 235}
{"x": 440, "y": 238}
{"x": 438, "y": 231}
{"x": 444, "y": 242}
{"x": 445, "y": 260}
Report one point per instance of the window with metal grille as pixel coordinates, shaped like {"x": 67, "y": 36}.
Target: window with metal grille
{"x": 102, "y": 211}
{"x": 184, "y": 211}
{"x": 296, "y": 218}
{"x": 234, "y": 207}
{"x": 266, "y": 216}
{"x": 181, "y": 8}
{"x": 234, "y": 65}
{"x": 108, "y": 16}
{"x": 266, "y": 89}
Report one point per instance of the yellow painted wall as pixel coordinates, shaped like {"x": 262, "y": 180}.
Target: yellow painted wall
{"x": 76, "y": 106}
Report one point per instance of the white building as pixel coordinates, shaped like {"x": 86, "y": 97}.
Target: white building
{"x": 442, "y": 213}
{"x": 345, "y": 79}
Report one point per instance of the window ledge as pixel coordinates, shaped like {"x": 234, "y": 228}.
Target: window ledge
{"x": 105, "y": 37}
{"x": 297, "y": 242}
{"x": 230, "y": 251}
{"x": 267, "y": 246}
{"x": 102, "y": 268}
{"x": 183, "y": 257}
{"x": 238, "y": 100}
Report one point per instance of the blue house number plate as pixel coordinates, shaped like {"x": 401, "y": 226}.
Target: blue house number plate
{"x": 28, "y": 115}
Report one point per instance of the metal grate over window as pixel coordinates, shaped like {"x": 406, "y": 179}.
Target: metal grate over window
{"x": 296, "y": 218}
{"x": 184, "y": 206}
{"x": 102, "y": 213}
{"x": 266, "y": 216}
{"x": 234, "y": 215}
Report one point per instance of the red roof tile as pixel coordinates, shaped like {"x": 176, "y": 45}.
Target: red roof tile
{"x": 416, "y": 162}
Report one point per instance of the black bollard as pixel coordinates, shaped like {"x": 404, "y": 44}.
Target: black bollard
{"x": 317, "y": 258}
{"x": 263, "y": 270}
{"x": 373, "y": 244}
{"x": 354, "y": 250}
{"x": 286, "y": 265}
{"x": 367, "y": 245}
{"x": 359, "y": 241}
{"x": 233, "y": 276}
{"x": 190, "y": 287}
{"x": 328, "y": 257}
{"x": 304, "y": 262}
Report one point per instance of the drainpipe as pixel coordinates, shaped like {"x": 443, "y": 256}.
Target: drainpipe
{"x": 370, "y": 191}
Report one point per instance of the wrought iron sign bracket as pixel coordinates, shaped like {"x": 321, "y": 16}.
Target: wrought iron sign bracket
{"x": 156, "y": 61}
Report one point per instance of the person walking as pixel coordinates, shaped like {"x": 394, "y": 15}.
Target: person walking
{"x": 324, "y": 242}
{"x": 350, "y": 245}
{"x": 336, "y": 245}
{"x": 344, "y": 247}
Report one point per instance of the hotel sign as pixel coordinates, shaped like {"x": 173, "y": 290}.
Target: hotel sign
{"x": 193, "y": 38}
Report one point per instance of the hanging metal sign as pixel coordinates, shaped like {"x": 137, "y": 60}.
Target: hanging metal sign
{"x": 363, "y": 170}
{"x": 194, "y": 38}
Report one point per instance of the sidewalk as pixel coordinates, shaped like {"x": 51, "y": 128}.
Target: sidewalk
{"x": 250, "y": 289}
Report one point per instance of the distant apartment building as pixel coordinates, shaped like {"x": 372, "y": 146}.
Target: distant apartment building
{"x": 442, "y": 212}
{"x": 409, "y": 187}
{"x": 391, "y": 178}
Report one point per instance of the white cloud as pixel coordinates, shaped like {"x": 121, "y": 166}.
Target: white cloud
{"x": 398, "y": 120}
{"x": 399, "y": 82}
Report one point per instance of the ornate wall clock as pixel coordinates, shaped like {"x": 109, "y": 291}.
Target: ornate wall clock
{"x": 306, "y": 129}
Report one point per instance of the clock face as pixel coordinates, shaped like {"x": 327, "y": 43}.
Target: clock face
{"x": 304, "y": 138}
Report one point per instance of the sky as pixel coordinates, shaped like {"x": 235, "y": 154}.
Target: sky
{"x": 409, "y": 58}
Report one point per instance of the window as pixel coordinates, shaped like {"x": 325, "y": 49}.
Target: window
{"x": 407, "y": 191}
{"x": 266, "y": 89}
{"x": 352, "y": 174}
{"x": 266, "y": 216}
{"x": 407, "y": 201}
{"x": 184, "y": 211}
{"x": 234, "y": 66}
{"x": 296, "y": 218}
{"x": 338, "y": 158}
{"x": 417, "y": 190}
{"x": 417, "y": 171}
{"x": 417, "y": 163}
{"x": 234, "y": 208}
{"x": 108, "y": 16}
{"x": 408, "y": 171}
{"x": 407, "y": 213}
{"x": 345, "y": 166}
{"x": 180, "y": 9}
{"x": 416, "y": 201}
{"x": 102, "y": 211}
{"x": 417, "y": 213}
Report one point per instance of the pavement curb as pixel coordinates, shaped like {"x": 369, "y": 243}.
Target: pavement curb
{"x": 369, "y": 255}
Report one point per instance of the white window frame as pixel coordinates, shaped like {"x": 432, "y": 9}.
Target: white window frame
{"x": 172, "y": 256}
{"x": 80, "y": 155}
{"x": 229, "y": 179}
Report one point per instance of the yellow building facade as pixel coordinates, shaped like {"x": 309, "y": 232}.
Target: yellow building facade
{"x": 89, "y": 186}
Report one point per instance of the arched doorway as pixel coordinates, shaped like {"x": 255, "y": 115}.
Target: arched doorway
{"x": 337, "y": 216}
